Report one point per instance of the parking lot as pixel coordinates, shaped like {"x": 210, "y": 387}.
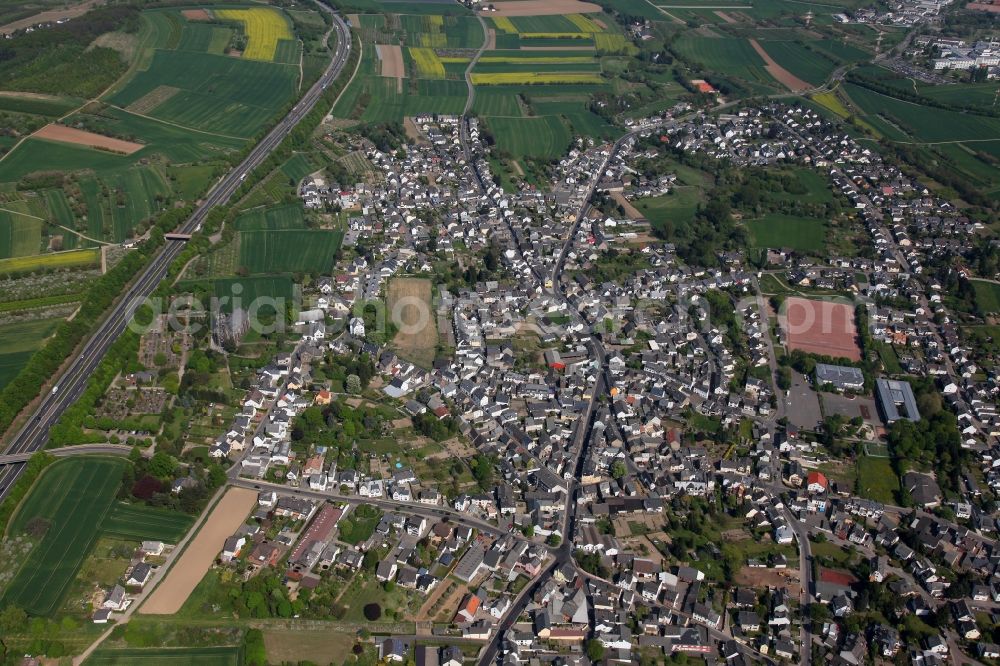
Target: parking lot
{"x": 803, "y": 404}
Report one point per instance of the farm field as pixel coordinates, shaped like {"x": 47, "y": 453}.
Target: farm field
{"x": 903, "y": 121}
{"x": 168, "y": 597}
{"x": 73, "y": 496}
{"x": 185, "y": 107}
{"x": 18, "y": 341}
{"x": 70, "y": 259}
{"x": 410, "y": 309}
{"x": 542, "y": 137}
{"x": 278, "y": 287}
{"x": 275, "y": 240}
{"x": 206, "y": 656}
{"x": 20, "y": 233}
{"x": 139, "y": 522}
{"x": 797, "y": 233}
{"x": 265, "y": 27}
{"x": 729, "y": 56}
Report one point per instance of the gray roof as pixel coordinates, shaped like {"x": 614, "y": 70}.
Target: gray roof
{"x": 893, "y": 394}
{"x": 839, "y": 375}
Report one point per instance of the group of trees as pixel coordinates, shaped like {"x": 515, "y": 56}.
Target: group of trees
{"x": 149, "y": 480}
{"x": 429, "y": 425}
{"x": 61, "y": 59}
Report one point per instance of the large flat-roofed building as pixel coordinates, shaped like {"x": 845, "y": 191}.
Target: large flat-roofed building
{"x": 896, "y": 400}
{"x": 842, "y": 377}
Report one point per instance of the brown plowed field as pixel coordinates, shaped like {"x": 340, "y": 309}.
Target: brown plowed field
{"x": 197, "y": 15}
{"x": 543, "y": 8}
{"x": 65, "y": 134}
{"x": 194, "y": 562}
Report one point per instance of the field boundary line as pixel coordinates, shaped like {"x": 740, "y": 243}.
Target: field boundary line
{"x": 178, "y": 125}
{"x": 92, "y": 240}
{"x": 17, "y": 212}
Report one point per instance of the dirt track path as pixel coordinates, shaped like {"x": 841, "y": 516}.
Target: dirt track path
{"x": 782, "y": 75}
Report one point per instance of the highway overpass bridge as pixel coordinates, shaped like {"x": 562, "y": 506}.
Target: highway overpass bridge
{"x": 106, "y": 449}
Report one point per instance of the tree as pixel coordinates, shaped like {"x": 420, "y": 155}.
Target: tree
{"x": 12, "y": 620}
{"x": 618, "y": 469}
{"x": 554, "y": 540}
{"x": 595, "y": 650}
{"x": 353, "y": 384}
{"x": 162, "y": 465}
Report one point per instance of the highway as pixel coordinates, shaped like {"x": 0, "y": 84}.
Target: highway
{"x": 34, "y": 434}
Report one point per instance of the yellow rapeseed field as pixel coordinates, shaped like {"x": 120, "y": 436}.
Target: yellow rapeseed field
{"x": 536, "y": 60}
{"x": 70, "y": 258}
{"x": 534, "y": 78}
{"x": 264, "y": 27}
{"x": 584, "y": 23}
{"x": 505, "y": 24}
{"x": 428, "y": 64}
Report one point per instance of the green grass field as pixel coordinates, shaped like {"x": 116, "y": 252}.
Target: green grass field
{"x": 987, "y": 296}
{"x": 289, "y": 251}
{"x": 797, "y": 233}
{"x": 877, "y": 480}
{"x": 731, "y": 56}
{"x": 217, "y": 93}
{"x": 139, "y": 522}
{"x": 20, "y": 233}
{"x": 206, "y": 656}
{"x": 808, "y": 65}
{"x": 543, "y": 137}
{"x": 251, "y": 288}
{"x": 679, "y": 205}
{"x": 74, "y": 496}
{"x": 901, "y": 120}
{"x": 18, "y": 341}
{"x": 278, "y": 218}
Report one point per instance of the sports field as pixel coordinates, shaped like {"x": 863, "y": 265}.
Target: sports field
{"x": 73, "y": 497}
{"x": 206, "y": 656}
{"x": 780, "y": 231}
{"x": 410, "y": 307}
{"x": 820, "y": 327}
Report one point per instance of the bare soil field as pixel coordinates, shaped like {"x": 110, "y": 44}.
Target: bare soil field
{"x": 760, "y": 578}
{"x": 188, "y": 571}
{"x": 30, "y": 95}
{"x": 50, "y": 15}
{"x": 122, "y": 42}
{"x": 725, "y": 17}
{"x": 196, "y": 15}
{"x": 152, "y": 99}
{"x": 354, "y": 19}
{"x": 782, "y": 75}
{"x": 64, "y": 134}
{"x": 820, "y": 327}
{"x": 983, "y": 7}
{"x": 391, "y": 57}
{"x": 630, "y": 210}
{"x": 491, "y": 39}
{"x": 410, "y": 309}
{"x": 543, "y": 8}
